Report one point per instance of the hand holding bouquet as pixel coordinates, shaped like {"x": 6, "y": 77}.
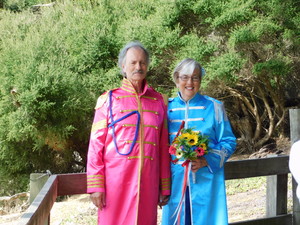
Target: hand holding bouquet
{"x": 189, "y": 145}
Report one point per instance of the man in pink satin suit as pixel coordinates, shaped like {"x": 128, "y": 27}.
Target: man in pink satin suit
{"x": 128, "y": 168}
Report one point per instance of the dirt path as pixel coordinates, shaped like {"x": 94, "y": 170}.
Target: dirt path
{"x": 241, "y": 206}
{"x": 78, "y": 210}
{"x": 249, "y": 203}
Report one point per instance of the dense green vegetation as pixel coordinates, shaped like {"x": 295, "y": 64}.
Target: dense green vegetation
{"x": 56, "y": 60}
{"x": 19, "y": 5}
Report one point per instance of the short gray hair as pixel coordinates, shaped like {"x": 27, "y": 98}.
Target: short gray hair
{"x": 187, "y": 66}
{"x": 122, "y": 54}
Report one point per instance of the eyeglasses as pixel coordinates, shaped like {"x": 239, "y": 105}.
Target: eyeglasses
{"x": 185, "y": 78}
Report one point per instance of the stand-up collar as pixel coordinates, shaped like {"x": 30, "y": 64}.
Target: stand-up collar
{"x": 196, "y": 97}
{"x": 127, "y": 86}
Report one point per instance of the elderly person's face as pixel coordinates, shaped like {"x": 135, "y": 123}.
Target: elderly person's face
{"x": 135, "y": 65}
{"x": 189, "y": 84}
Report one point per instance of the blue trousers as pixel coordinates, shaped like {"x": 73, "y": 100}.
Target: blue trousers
{"x": 187, "y": 207}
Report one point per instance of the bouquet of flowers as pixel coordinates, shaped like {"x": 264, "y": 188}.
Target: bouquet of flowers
{"x": 188, "y": 145}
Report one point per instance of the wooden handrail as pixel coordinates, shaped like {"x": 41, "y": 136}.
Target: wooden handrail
{"x": 70, "y": 184}
{"x": 257, "y": 167}
{"x": 39, "y": 210}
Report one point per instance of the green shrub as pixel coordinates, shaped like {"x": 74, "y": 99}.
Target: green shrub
{"x": 56, "y": 61}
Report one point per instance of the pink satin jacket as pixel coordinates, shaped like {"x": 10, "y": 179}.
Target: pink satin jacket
{"x": 132, "y": 166}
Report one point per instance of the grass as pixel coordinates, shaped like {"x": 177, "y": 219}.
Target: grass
{"x": 243, "y": 185}
{"x": 87, "y": 220}
{"x": 246, "y": 198}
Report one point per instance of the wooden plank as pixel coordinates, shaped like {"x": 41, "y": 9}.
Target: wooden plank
{"x": 39, "y": 210}
{"x": 257, "y": 167}
{"x": 294, "y": 124}
{"x": 71, "y": 184}
{"x": 282, "y": 197}
{"x": 277, "y": 195}
{"x": 37, "y": 182}
{"x": 276, "y": 220}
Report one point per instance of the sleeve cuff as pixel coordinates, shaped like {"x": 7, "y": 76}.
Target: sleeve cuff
{"x": 95, "y": 183}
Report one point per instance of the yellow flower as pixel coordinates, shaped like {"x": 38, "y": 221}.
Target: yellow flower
{"x": 191, "y": 138}
{"x": 176, "y": 141}
{"x": 185, "y": 135}
{"x": 203, "y": 145}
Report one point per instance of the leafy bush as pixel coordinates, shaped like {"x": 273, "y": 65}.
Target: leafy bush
{"x": 57, "y": 61}
{"x": 20, "y": 5}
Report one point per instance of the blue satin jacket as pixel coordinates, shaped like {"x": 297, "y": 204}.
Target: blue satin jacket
{"x": 207, "y": 194}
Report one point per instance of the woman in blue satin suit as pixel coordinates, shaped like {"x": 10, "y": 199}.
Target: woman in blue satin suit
{"x": 204, "y": 202}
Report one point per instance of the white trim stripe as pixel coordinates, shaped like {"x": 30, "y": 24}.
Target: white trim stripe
{"x": 188, "y": 120}
{"x": 197, "y": 107}
{"x": 196, "y": 119}
{"x": 174, "y": 121}
{"x": 223, "y": 153}
{"x": 177, "y": 109}
{"x": 192, "y": 107}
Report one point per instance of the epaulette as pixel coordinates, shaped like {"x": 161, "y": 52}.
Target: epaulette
{"x": 213, "y": 99}
{"x": 101, "y": 100}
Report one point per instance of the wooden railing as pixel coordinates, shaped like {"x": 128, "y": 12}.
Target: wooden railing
{"x": 71, "y": 184}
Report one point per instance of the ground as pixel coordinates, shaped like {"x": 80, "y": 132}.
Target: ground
{"x": 246, "y": 200}
{"x": 77, "y": 209}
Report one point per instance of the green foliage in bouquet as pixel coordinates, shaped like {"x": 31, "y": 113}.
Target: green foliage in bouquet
{"x": 189, "y": 145}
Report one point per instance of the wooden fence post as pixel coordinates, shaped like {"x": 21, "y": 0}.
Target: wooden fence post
{"x": 295, "y": 135}
{"x": 37, "y": 181}
{"x": 276, "y": 195}
{"x": 294, "y": 124}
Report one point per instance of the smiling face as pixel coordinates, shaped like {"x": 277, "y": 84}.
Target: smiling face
{"x": 135, "y": 64}
{"x": 189, "y": 84}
